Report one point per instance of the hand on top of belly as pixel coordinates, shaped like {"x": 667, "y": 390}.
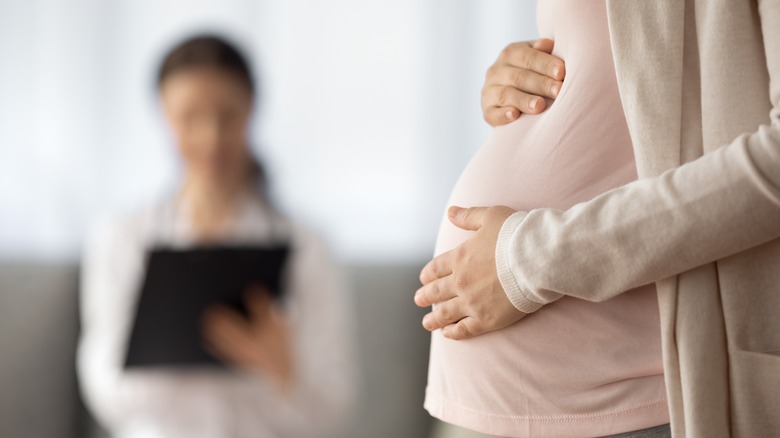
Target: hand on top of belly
{"x": 516, "y": 83}
{"x": 463, "y": 283}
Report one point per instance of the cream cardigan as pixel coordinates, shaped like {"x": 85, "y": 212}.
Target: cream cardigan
{"x": 700, "y": 85}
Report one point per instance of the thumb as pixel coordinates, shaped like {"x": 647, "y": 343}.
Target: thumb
{"x": 467, "y": 218}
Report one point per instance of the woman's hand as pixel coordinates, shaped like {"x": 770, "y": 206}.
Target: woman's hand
{"x": 259, "y": 344}
{"x": 522, "y": 75}
{"x": 463, "y": 283}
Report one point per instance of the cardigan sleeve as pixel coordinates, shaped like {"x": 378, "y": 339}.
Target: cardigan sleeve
{"x": 721, "y": 204}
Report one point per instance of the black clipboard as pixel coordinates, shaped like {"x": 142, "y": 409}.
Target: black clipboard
{"x": 180, "y": 284}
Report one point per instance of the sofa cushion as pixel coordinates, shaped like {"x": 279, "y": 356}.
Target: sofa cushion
{"x": 38, "y": 330}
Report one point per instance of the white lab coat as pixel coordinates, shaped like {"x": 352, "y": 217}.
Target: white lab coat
{"x": 205, "y": 402}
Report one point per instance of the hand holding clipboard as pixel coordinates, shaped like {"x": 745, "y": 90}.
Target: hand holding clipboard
{"x": 259, "y": 342}
{"x": 178, "y": 288}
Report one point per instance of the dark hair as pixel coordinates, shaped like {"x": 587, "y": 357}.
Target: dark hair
{"x": 211, "y": 51}
{"x": 206, "y": 51}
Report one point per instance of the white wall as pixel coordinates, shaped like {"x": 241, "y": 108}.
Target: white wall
{"x": 371, "y": 109}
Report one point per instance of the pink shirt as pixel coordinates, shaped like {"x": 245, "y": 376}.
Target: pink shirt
{"x": 573, "y": 368}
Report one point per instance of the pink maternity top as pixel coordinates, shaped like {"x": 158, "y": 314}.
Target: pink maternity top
{"x": 573, "y": 368}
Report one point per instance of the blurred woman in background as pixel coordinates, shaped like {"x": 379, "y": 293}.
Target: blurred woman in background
{"x": 295, "y": 369}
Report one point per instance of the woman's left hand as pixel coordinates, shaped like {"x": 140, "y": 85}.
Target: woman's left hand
{"x": 260, "y": 343}
{"x": 463, "y": 283}
{"x": 521, "y": 77}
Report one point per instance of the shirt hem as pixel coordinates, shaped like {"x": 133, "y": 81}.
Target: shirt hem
{"x": 645, "y": 415}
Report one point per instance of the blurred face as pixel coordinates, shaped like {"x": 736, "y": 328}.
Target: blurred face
{"x": 209, "y": 110}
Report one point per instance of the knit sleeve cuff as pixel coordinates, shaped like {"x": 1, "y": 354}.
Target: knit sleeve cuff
{"x": 519, "y": 298}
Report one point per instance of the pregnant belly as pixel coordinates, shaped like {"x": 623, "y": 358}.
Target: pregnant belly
{"x": 553, "y": 160}
{"x": 571, "y": 356}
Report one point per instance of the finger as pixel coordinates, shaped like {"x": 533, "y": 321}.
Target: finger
{"x": 467, "y": 218}
{"x": 225, "y": 326}
{"x": 258, "y": 302}
{"x": 529, "y": 57}
{"x": 228, "y": 353}
{"x": 544, "y": 44}
{"x": 465, "y": 328}
{"x": 221, "y": 342}
{"x": 446, "y": 313}
{"x": 434, "y": 292}
{"x": 276, "y": 325}
{"x": 228, "y": 343}
{"x": 274, "y": 314}
{"x": 527, "y": 81}
{"x": 440, "y": 266}
{"x": 218, "y": 353}
{"x": 497, "y": 116}
{"x": 510, "y": 96}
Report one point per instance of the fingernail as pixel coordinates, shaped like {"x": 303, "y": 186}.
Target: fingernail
{"x": 417, "y": 296}
{"x": 510, "y": 115}
{"x": 555, "y": 89}
{"x": 453, "y": 212}
{"x": 556, "y": 70}
{"x": 426, "y": 322}
{"x": 534, "y": 103}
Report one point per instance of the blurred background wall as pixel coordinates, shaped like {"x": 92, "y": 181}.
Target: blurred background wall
{"x": 369, "y": 100}
{"x": 370, "y": 109}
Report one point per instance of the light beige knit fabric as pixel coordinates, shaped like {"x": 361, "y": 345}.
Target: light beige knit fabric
{"x": 700, "y": 85}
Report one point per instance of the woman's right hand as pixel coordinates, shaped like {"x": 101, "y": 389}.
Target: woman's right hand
{"x": 521, "y": 77}
{"x": 260, "y": 343}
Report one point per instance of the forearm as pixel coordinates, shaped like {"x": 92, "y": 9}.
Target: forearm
{"x": 719, "y": 205}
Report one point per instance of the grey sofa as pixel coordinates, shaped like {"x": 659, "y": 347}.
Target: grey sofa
{"x": 39, "y": 329}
